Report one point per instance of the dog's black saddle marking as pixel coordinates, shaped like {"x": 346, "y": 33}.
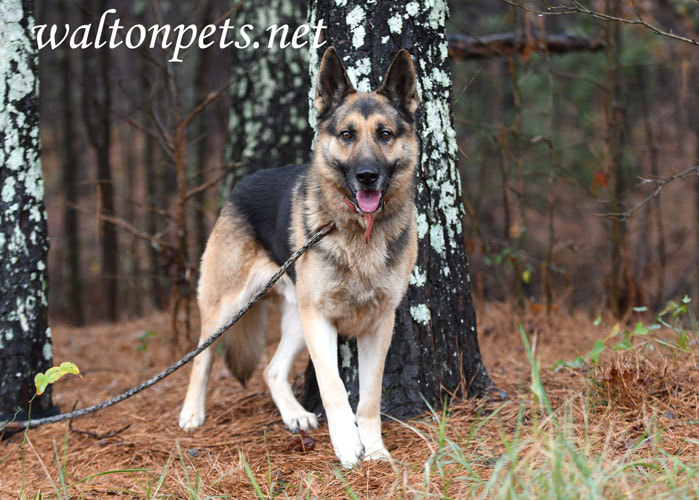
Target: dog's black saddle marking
{"x": 264, "y": 200}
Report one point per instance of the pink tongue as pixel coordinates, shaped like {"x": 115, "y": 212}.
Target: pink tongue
{"x": 368, "y": 200}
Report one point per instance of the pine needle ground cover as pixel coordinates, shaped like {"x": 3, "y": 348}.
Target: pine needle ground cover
{"x": 584, "y": 408}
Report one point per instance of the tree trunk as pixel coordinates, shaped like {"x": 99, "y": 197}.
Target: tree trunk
{"x": 98, "y": 124}
{"x": 25, "y": 339}
{"x": 153, "y": 179}
{"x": 201, "y": 89}
{"x": 435, "y": 348}
{"x": 73, "y": 291}
{"x": 269, "y": 116}
{"x": 616, "y": 142}
{"x": 694, "y": 126}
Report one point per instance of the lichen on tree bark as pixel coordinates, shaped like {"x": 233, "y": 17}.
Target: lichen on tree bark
{"x": 25, "y": 339}
{"x": 269, "y": 116}
{"x": 435, "y": 347}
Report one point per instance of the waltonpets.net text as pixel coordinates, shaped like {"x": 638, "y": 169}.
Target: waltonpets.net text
{"x": 181, "y": 36}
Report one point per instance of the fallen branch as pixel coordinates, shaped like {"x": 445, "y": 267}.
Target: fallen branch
{"x": 463, "y": 47}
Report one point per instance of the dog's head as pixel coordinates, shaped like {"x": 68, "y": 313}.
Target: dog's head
{"x": 366, "y": 143}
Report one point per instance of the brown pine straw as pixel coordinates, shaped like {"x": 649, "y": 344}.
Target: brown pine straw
{"x": 644, "y": 390}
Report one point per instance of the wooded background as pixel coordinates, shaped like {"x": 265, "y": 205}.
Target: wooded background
{"x": 561, "y": 120}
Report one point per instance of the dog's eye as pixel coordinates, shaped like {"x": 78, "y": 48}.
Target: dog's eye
{"x": 386, "y": 135}
{"x": 346, "y": 135}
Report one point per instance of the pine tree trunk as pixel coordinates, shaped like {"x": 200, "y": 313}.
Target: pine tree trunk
{"x": 201, "y": 89}
{"x": 616, "y": 140}
{"x": 98, "y": 124}
{"x": 269, "y": 116}
{"x": 25, "y": 339}
{"x": 435, "y": 347}
{"x": 73, "y": 291}
{"x": 153, "y": 179}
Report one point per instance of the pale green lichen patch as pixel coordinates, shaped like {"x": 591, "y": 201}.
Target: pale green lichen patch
{"x": 345, "y": 356}
{"x": 418, "y": 277}
{"x": 8, "y": 190}
{"x": 422, "y": 225}
{"x": 395, "y": 24}
{"x": 437, "y": 12}
{"x": 437, "y": 238}
{"x": 411, "y": 9}
{"x": 420, "y": 313}
{"x": 359, "y": 74}
{"x": 355, "y": 19}
{"x": 47, "y": 351}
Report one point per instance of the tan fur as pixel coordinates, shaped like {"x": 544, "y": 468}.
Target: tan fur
{"x": 228, "y": 280}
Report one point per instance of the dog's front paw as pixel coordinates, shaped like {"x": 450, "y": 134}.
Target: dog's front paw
{"x": 191, "y": 419}
{"x": 301, "y": 421}
{"x": 378, "y": 454}
{"x": 347, "y": 444}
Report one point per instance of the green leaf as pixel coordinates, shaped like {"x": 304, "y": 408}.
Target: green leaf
{"x": 640, "y": 309}
{"x": 596, "y": 350}
{"x": 41, "y": 381}
{"x": 53, "y": 374}
{"x": 686, "y": 299}
{"x": 68, "y": 367}
{"x": 623, "y": 345}
{"x": 640, "y": 329}
{"x": 598, "y": 321}
{"x": 577, "y": 364}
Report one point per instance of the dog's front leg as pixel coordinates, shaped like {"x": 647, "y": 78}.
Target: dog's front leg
{"x": 372, "y": 348}
{"x": 321, "y": 339}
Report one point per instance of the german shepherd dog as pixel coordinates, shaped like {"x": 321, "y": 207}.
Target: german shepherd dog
{"x": 362, "y": 179}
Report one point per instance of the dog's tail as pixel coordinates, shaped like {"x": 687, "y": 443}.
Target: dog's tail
{"x": 245, "y": 341}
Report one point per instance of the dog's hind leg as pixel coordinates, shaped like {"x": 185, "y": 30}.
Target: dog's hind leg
{"x": 233, "y": 268}
{"x": 193, "y": 412}
{"x": 244, "y": 343}
{"x": 294, "y": 416}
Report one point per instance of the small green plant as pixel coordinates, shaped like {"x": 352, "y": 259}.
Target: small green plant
{"x": 676, "y": 317}
{"x": 53, "y": 374}
{"x": 144, "y": 340}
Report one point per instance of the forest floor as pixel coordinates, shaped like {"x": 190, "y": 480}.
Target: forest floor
{"x": 626, "y": 426}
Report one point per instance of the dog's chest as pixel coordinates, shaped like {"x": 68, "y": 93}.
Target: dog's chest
{"x": 355, "y": 289}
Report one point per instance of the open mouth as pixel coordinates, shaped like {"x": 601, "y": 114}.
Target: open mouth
{"x": 368, "y": 200}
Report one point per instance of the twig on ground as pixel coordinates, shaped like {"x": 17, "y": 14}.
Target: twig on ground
{"x": 94, "y": 435}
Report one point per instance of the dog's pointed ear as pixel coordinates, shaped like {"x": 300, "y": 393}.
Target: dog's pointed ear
{"x": 400, "y": 82}
{"x": 333, "y": 83}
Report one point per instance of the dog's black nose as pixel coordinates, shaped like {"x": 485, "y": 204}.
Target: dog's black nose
{"x": 368, "y": 176}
